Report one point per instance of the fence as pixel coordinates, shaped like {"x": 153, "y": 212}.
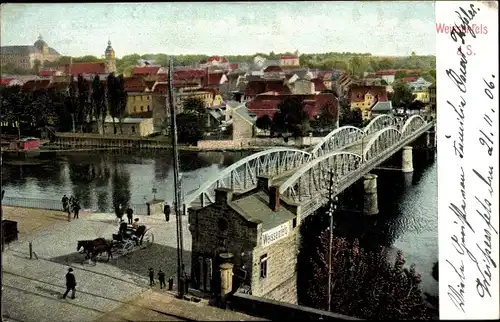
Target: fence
{"x": 47, "y": 204}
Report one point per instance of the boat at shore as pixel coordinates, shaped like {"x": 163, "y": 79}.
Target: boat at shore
{"x": 23, "y": 148}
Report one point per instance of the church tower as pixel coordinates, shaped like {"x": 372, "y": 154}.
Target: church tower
{"x": 110, "y": 63}
{"x": 42, "y": 46}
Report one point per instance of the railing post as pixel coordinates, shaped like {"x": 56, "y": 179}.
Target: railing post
{"x": 31, "y": 250}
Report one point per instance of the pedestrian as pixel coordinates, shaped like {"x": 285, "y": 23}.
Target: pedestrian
{"x": 119, "y": 213}
{"x": 161, "y": 278}
{"x": 151, "y": 277}
{"x": 187, "y": 280}
{"x": 72, "y": 201}
{"x": 166, "y": 211}
{"x": 70, "y": 284}
{"x": 64, "y": 201}
{"x": 170, "y": 283}
{"x": 76, "y": 209}
{"x": 130, "y": 213}
{"x": 135, "y": 225}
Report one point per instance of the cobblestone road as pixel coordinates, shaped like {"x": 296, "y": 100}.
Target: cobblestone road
{"x": 31, "y": 288}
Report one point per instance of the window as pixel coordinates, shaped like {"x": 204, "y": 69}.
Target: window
{"x": 263, "y": 266}
{"x": 148, "y": 107}
{"x": 142, "y": 108}
{"x": 294, "y": 222}
{"x": 133, "y": 129}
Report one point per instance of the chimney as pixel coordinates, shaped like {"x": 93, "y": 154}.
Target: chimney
{"x": 263, "y": 182}
{"x": 274, "y": 198}
{"x": 223, "y": 195}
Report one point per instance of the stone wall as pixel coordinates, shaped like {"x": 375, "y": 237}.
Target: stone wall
{"x": 280, "y": 283}
{"x": 279, "y": 311}
{"x": 242, "y": 143}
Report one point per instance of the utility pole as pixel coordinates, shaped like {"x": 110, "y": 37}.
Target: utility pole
{"x": 333, "y": 205}
{"x": 175, "y": 155}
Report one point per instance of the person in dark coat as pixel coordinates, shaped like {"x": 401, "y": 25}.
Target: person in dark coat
{"x": 64, "y": 201}
{"x": 151, "y": 277}
{"x": 161, "y": 278}
{"x": 166, "y": 211}
{"x": 130, "y": 214}
{"x": 76, "y": 209}
{"x": 170, "y": 283}
{"x": 70, "y": 284}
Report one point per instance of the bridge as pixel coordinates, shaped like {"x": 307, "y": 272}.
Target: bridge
{"x": 303, "y": 175}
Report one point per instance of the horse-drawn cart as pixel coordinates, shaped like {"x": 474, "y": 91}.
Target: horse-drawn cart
{"x": 122, "y": 243}
{"x": 127, "y": 239}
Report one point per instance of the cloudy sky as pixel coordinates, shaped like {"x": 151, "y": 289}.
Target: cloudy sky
{"x": 381, "y": 28}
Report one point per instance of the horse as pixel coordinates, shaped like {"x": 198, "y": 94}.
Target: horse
{"x": 95, "y": 247}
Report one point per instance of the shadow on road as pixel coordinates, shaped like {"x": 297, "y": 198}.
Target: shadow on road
{"x": 138, "y": 261}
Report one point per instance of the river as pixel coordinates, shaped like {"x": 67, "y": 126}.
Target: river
{"x": 407, "y": 218}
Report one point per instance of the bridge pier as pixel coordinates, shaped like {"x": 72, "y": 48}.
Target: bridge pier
{"x": 370, "y": 205}
{"x": 407, "y": 159}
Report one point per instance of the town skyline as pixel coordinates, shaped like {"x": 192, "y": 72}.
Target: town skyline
{"x": 386, "y": 28}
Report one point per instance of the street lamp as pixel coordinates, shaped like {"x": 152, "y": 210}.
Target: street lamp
{"x": 333, "y": 206}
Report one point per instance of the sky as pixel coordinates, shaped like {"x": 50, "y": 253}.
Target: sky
{"x": 378, "y": 27}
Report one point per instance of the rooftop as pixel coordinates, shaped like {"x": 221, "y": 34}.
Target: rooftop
{"x": 260, "y": 212}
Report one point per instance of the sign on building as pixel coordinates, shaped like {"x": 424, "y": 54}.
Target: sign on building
{"x": 273, "y": 235}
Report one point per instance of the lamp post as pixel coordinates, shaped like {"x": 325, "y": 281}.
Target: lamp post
{"x": 333, "y": 206}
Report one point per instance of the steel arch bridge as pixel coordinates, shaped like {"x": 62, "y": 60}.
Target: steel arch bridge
{"x": 313, "y": 178}
{"x": 337, "y": 139}
{"x": 242, "y": 175}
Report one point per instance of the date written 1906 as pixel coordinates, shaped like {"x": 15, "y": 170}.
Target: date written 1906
{"x": 485, "y": 138}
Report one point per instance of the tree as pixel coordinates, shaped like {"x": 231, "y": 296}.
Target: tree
{"x": 385, "y": 63}
{"x": 14, "y": 102}
{"x": 403, "y": 96}
{"x": 328, "y": 116}
{"x": 348, "y": 116}
{"x": 416, "y": 105}
{"x": 121, "y": 97}
{"x": 188, "y": 128}
{"x": 400, "y": 74}
{"x": 291, "y": 118}
{"x": 194, "y": 105}
{"x": 83, "y": 101}
{"x": 113, "y": 98}
{"x": 264, "y": 122}
{"x": 364, "y": 283}
{"x": 98, "y": 102}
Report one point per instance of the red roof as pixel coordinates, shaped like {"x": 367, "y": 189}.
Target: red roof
{"x": 189, "y": 74}
{"x": 45, "y": 73}
{"x": 224, "y": 60}
{"x": 386, "y": 72}
{"x": 135, "y": 84}
{"x": 145, "y": 70}
{"x": 312, "y": 104}
{"x": 233, "y": 66}
{"x": 86, "y": 68}
{"x": 214, "y": 78}
{"x": 410, "y": 79}
{"x": 5, "y": 81}
{"x": 319, "y": 85}
{"x": 161, "y": 88}
{"x": 211, "y": 59}
{"x": 289, "y": 57}
{"x": 273, "y": 69}
{"x": 358, "y": 93}
{"x": 257, "y": 87}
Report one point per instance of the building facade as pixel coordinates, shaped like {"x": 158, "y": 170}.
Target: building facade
{"x": 24, "y": 57}
{"x": 262, "y": 235}
{"x": 110, "y": 62}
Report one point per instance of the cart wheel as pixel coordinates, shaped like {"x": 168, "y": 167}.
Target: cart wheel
{"x": 127, "y": 247}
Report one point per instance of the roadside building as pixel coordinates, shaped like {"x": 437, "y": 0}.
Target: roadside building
{"x": 366, "y": 97}
{"x": 130, "y": 126}
{"x": 260, "y": 232}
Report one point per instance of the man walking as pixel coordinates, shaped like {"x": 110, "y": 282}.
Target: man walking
{"x": 170, "y": 283}
{"x": 76, "y": 209}
{"x": 64, "y": 201}
{"x": 161, "y": 278}
{"x": 166, "y": 211}
{"x": 151, "y": 277}
{"x": 130, "y": 214}
{"x": 70, "y": 284}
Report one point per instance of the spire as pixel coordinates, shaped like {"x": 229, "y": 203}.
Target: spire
{"x": 40, "y": 37}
